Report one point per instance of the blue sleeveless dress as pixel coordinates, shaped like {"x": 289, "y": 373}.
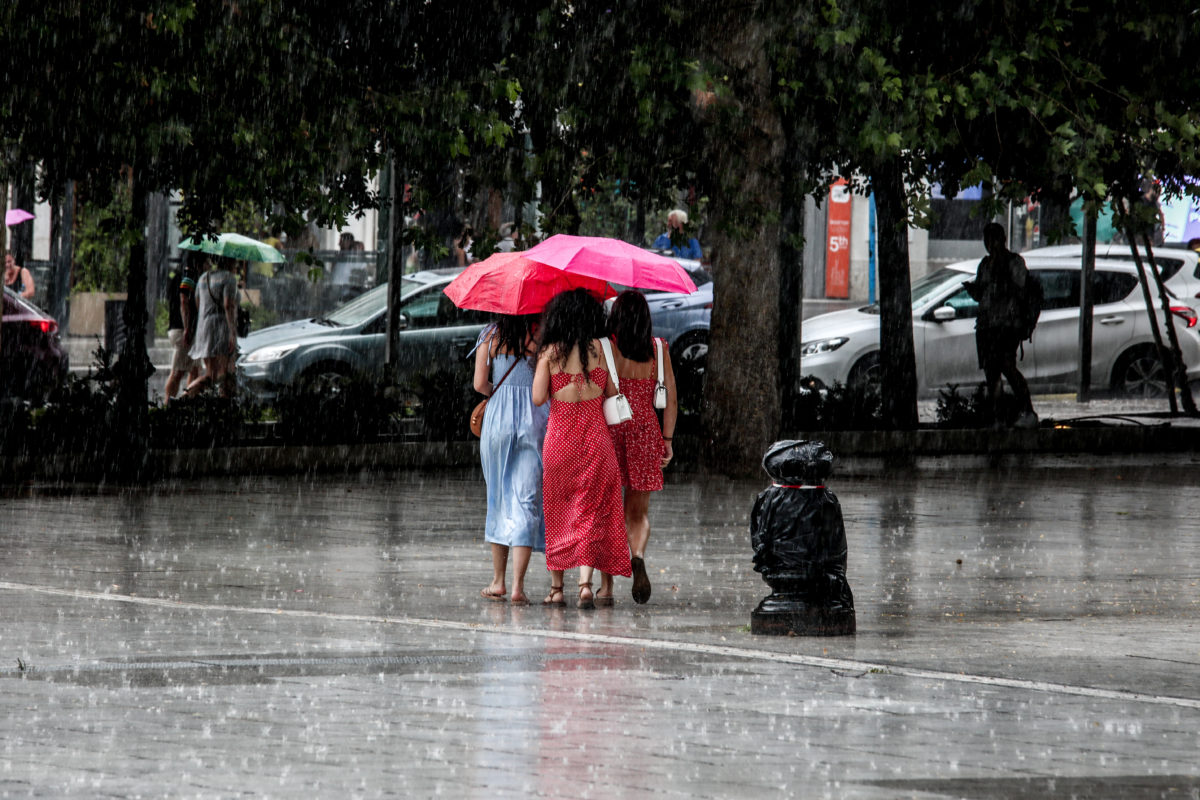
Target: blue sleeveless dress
{"x": 510, "y": 449}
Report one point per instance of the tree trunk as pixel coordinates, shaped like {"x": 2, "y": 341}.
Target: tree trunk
{"x": 742, "y": 407}
{"x": 791, "y": 282}
{"x": 1085, "y": 308}
{"x": 395, "y": 269}
{"x": 64, "y": 253}
{"x": 897, "y": 360}
{"x": 132, "y": 429}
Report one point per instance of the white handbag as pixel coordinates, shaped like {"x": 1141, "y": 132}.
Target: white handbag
{"x": 616, "y": 408}
{"x": 660, "y": 389}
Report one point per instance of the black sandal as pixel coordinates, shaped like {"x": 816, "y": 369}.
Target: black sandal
{"x": 641, "y": 581}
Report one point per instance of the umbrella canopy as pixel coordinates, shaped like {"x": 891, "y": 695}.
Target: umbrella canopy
{"x": 614, "y": 261}
{"x": 510, "y": 283}
{"x": 236, "y": 246}
{"x": 16, "y": 216}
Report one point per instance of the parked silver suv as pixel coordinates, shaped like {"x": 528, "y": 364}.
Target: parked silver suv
{"x": 351, "y": 340}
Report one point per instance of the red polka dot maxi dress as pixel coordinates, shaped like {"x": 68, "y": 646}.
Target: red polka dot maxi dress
{"x": 639, "y": 442}
{"x": 581, "y": 484}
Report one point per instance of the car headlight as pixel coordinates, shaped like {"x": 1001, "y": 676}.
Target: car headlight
{"x": 818, "y": 346}
{"x": 264, "y": 354}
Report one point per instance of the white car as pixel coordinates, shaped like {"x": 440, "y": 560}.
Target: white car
{"x": 1180, "y": 268}
{"x": 843, "y": 347}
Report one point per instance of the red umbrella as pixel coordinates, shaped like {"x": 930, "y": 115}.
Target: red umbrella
{"x": 510, "y": 283}
{"x": 614, "y": 261}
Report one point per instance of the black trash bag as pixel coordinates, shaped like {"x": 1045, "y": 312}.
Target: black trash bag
{"x": 798, "y": 536}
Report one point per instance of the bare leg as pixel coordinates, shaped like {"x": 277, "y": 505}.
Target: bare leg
{"x": 210, "y": 370}
{"x": 606, "y": 586}
{"x": 637, "y": 521}
{"x": 521, "y": 557}
{"x": 586, "y": 598}
{"x": 637, "y": 528}
{"x": 495, "y": 590}
{"x": 172, "y": 386}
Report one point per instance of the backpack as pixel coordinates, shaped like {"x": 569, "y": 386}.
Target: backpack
{"x": 1029, "y": 305}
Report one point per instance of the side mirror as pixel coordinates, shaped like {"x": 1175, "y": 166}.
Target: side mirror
{"x": 401, "y": 323}
{"x": 944, "y": 314}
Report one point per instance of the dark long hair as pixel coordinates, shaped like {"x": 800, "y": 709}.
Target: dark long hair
{"x": 629, "y": 321}
{"x": 513, "y": 331}
{"x": 571, "y": 319}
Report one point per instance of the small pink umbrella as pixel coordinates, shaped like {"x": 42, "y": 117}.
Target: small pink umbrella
{"x": 509, "y": 283}
{"x": 16, "y": 216}
{"x": 614, "y": 261}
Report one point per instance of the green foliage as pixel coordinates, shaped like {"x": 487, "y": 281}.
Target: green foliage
{"x": 838, "y": 408}
{"x": 102, "y": 241}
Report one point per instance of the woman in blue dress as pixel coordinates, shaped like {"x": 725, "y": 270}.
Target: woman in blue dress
{"x": 510, "y": 449}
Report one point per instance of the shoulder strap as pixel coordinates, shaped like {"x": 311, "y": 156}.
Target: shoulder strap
{"x": 658, "y": 351}
{"x": 612, "y": 370}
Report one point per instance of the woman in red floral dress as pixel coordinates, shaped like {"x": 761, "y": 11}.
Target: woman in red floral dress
{"x": 643, "y": 448}
{"x": 581, "y": 483}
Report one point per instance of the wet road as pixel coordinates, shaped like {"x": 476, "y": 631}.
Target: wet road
{"x": 1021, "y": 634}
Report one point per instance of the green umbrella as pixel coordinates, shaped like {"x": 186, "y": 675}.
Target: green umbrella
{"x": 236, "y": 246}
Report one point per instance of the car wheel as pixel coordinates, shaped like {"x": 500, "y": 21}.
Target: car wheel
{"x": 325, "y": 379}
{"x": 689, "y": 358}
{"x": 865, "y": 374}
{"x": 1139, "y": 373}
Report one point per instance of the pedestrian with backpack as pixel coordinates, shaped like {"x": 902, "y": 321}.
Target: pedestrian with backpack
{"x": 1008, "y": 310}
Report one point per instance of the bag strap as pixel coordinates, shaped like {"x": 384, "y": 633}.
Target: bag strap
{"x": 612, "y": 370}
{"x": 516, "y": 360}
{"x": 658, "y": 349}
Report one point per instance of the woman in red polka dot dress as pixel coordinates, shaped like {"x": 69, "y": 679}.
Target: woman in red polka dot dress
{"x": 581, "y": 483}
{"x": 643, "y": 448}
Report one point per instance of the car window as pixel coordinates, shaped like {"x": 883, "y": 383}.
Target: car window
{"x": 925, "y": 287}
{"x": 450, "y": 315}
{"x": 1168, "y": 267}
{"x": 965, "y": 306}
{"x": 421, "y": 309}
{"x": 1060, "y": 288}
{"x": 367, "y": 305}
{"x": 1109, "y": 287}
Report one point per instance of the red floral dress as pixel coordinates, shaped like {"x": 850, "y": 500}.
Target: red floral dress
{"x": 581, "y": 485}
{"x": 639, "y": 442}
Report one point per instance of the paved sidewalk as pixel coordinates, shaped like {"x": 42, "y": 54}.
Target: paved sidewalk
{"x": 1020, "y": 635}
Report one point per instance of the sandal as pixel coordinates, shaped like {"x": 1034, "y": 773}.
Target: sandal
{"x": 555, "y": 591}
{"x": 604, "y": 600}
{"x": 585, "y": 602}
{"x": 641, "y": 581}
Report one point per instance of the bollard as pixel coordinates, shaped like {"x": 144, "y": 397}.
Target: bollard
{"x": 799, "y": 545}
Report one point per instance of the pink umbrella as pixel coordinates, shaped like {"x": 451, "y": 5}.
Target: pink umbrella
{"x": 509, "y": 283}
{"x": 16, "y": 216}
{"x": 614, "y": 261}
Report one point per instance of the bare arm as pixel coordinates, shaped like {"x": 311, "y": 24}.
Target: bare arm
{"x": 231, "y": 307}
{"x": 671, "y": 412}
{"x": 483, "y": 358}
{"x": 541, "y": 380}
{"x": 27, "y": 278}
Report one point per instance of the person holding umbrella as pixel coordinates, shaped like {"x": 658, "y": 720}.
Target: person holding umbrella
{"x": 513, "y": 429}
{"x": 510, "y": 450}
{"x": 216, "y": 328}
{"x": 585, "y": 524}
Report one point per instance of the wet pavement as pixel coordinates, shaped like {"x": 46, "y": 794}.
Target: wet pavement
{"x": 1021, "y": 633}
